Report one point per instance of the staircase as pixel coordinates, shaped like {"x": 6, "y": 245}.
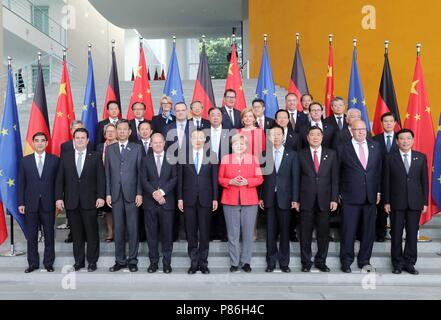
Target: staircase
{"x": 157, "y": 88}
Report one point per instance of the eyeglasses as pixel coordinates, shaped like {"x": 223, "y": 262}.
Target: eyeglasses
{"x": 230, "y": 97}
{"x": 359, "y": 129}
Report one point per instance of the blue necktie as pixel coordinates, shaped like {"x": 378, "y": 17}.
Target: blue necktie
{"x": 196, "y": 163}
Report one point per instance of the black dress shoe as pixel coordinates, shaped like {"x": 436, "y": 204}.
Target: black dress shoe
{"x": 323, "y": 267}
{"x": 205, "y": 270}
{"x": 30, "y": 269}
{"x": 396, "y": 271}
{"x": 133, "y": 267}
{"x": 246, "y": 267}
{"x": 92, "y": 267}
{"x": 68, "y": 240}
{"x": 269, "y": 269}
{"x": 167, "y": 269}
{"x": 306, "y": 268}
{"x": 77, "y": 266}
{"x": 346, "y": 269}
{"x": 234, "y": 269}
{"x": 191, "y": 270}
{"x": 152, "y": 268}
{"x": 293, "y": 238}
{"x": 285, "y": 269}
{"x": 49, "y": 269}
{"x": 117, "y": 267}
{"x": 411, "y": 270}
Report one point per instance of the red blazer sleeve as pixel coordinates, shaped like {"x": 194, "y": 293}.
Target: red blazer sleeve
{"x": 223, "y": 180}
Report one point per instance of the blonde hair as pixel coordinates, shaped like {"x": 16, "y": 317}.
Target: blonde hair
{"x": 164, "y": 97}
{"x": 245, "y": 111}
{"x": 239, "y": 136}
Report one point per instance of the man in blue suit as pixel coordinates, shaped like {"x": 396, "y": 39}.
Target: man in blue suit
{"x": 36, "y": 193}
{"x": 360, "y": 181}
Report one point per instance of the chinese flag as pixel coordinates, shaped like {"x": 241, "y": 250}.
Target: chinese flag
{"x": 64, "y": 114}
{"x": 234, "y": 80}
{"x": 141, "y": 89}
{"x": 419, "y": 120}
{"x": 387, "y": 101}
{"x": 39, "y": 120}
{"x": 329, "y": 82}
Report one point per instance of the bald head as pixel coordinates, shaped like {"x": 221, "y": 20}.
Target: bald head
{"x": 359, "y": 130}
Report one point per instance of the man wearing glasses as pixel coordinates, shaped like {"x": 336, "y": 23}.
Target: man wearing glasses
{"x": 230, "y": 116}
{"x": 360, "y": 180}
{"x": 161, "y": 120}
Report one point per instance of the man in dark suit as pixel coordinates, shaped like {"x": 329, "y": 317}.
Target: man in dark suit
{"x": 69, "y": 145}
{"x": 159, "y": 180}
{"x": 36, "y": 200}
{"x": 405, "y": 191}
{"x": 218, "y": 143}
{"x": 338, "y": 117}
{"x": 292, "y": 139}
{"x": 318, "y": 197}
{"x": 113, "y": 110}
{"x": 161, "y": 120}
{"x": 388, "y": 144}
{"x": 138, "y": 109}
{"x": 124, "y": 195}
{"x": 296, "y": 119}
{"x": 196, "y": 108}
{"x": 306, "y": 100}
{"x": 145, "y": 131}
{"x": 316, "y": 112}
{"x": 263, "y": 122}
{"x": 197, "y": 199}
{"x": 80, "y": 189}
{"x": 230, "y": 115}
{"x": 279, "y": 194}
{"x": 360, "y": 184}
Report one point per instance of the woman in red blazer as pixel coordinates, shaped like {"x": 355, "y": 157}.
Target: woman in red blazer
{"x": 239, "y": 175}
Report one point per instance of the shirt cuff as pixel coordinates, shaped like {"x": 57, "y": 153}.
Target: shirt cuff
{"x": 162, "y": 192}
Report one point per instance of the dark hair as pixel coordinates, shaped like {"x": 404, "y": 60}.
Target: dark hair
{"x": 110, "y": 102}
{"x": 229, "y": 90}
{"x": 120, "y": 121}
{"x": 198, "y": 130}
{"x": 37, "y": 134}
{"x": 81, "y": 130}
{"x": 214, "y": 108}
{"x": 304, "y": 95}
{"x": 258, "y": 101}
{"x": 337, "y": 98}
{"x": 314, "y": 128}
{"x": 196, "y": 101}
{"x": 279, "y": 111}
{"x": 181, "y": 102}
{"x": 404, "y": 130}
{"x": 277, "y": 126}
{"x": 387, "y": 114}
{"x": 142, "y": 103}
{"x": 144, "y": 121}
{"x": 315, "y": 103}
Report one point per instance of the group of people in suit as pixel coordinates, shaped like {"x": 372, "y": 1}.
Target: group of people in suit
{"x": 219, "y": 172}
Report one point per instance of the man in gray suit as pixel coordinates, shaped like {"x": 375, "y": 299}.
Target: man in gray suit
{"x": 124, "y": 195}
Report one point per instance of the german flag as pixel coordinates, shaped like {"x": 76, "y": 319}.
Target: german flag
{"x": 39, "y": 120}
{"x": 203, "y": 88}
{"x": 113, "y": 87}
{"x": 297, "y": 83}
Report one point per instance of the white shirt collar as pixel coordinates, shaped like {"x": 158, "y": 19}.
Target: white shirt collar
{"x": 355, "y": 142}
{"x": 123, "y": 143}
{"x": 409, "y": 153}
{"x": 78, "y": 152}
{"x": 144, "y": 141}
{"x": 159, "y": 154}
{"x": 113, "y": 120}
{"x": 281, "y": 149}
{"x": 391, "y": 134}
{"x": 319, "y": 150}
{"x": 37, "y": 156}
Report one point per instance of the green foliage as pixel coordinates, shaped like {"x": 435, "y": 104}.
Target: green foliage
{"x": 217, "y": 52}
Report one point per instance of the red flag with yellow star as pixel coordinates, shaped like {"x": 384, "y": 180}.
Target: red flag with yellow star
{"x": 141, "y": 89}
{"x": 329, "y": 82}
{"x": 234, "y": 80}
{"x": 64, "y": 113}
{"x": 419, "y": 120}
{"x": 38, "y": 120}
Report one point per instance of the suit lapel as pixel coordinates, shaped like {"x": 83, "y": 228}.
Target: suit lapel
{"x": 400, "y": 162}
{"x": 354, "y": 155}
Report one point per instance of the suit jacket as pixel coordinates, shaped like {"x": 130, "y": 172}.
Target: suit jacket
{"x": 379, "y": 138}
{"x": 68, "y": 146}
{"x": 293, "y": 140}
{"x": 286, "y": 180}
{"x": 32, "y": 188}
{"x": 357, "y": 185}
{"x": 268, "y": 123}
{"x": 328, "y": 134}
{"x": 99, "y": 137}
{"x": 224, "y": 143}
{"x": 323, "y": 185}
{"x": 340, "y": 136}
{"x": 171, "y": 135}
{"x": 301, "y": 120}
{"x": 80, "y": 191}
{"x": 405, "y": 191}
{"x": 144, "y": 153}
{"x": 204, "y": 124}
{"x": 226, "y": 120}
{"x": 123, "y": 171}
{"x": 134, "y": 135}
{"x": 151, "y": 181}
{"x": 159, "y": 122}
{"x": 200, "y": 188}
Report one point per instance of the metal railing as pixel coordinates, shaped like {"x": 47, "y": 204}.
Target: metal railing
{"x": 38, "y": 18}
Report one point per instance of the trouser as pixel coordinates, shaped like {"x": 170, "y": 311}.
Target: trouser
{"x": 197, "y": 225}
{"x": 125, "y": 218}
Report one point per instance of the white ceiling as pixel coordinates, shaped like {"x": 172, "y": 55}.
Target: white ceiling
{"x": 183, "y": 18}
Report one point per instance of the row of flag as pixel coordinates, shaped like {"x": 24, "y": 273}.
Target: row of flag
{"x": 156, "y": 76}
{"x": 418, "y": 116}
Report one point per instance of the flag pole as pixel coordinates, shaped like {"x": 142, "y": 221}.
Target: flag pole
{"x": 264, "y": 38}
{"x": 386, "y": 47}
{"x": 297, "y": 38}
{"x": 12, "y": 252}
{"x": 330, "y": 39}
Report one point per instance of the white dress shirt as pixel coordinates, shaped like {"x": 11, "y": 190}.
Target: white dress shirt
{"x": 391, "y": 134}
{"x": 83, "y": 158}
{"x": 161, "y": 160}
{"x": 317, "y": 123}
{"x": 195, "y": 122}
{"x": 364, "y": 146}
{"x": 37, "y": 157}
{"x": 114, "y": 121}
{"x": 122, "y": 143}
{"x": 144, "y": 142}
{"x": 215, "y": 138}
{"x": 319, "y": 153}
{"x": 230, "y": 114}
{"x": 409, "y": 157}
{"x": 200, "y": 158}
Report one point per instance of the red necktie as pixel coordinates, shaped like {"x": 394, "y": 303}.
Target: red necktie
{"x": 316, "y": 162}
